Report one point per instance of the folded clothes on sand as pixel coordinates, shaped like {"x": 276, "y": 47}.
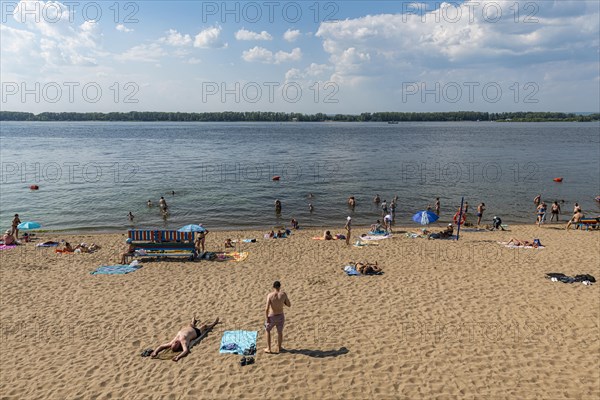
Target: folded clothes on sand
{"x": 559, "y": 277}
{"x": 236, "y": 342}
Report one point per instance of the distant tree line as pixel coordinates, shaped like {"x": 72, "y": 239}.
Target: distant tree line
{"x": 260, "y": 116}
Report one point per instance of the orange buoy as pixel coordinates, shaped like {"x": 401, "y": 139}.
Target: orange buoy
{"x": 276, "y": 177}
{"x": 34, "y": 187}
{"x": 557, "y": 179}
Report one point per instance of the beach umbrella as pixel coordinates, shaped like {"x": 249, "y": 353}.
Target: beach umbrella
{"x": 29, "y": 225}
{"x": 424, "y": 217}
{"x": 192, "y": 228}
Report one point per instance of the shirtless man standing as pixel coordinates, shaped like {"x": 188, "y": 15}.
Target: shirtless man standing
{"x": 182, "y": 340}
{"x": 275, "y": 317}
{"x": 480, "y": 210}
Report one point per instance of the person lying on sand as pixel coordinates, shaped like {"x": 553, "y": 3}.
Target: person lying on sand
{"x": 84, "y": 248}
{"x": 517, "y": 242}
{"x": 367, "y": 268}
{"x": 182, "y": 340}
{"x": 445, "y": 234}
{"x": 68, "y": 248}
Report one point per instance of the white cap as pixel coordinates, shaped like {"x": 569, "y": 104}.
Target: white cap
{"x": 349, "y": 218}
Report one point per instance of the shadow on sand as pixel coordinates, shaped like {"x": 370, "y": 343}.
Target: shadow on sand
{"x": 317, "y": 353}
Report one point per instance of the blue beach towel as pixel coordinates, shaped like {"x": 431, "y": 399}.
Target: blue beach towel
{"x": 235, "y": 342}
{"x": 380, "y": 232}
{"x": 115, "y": 269}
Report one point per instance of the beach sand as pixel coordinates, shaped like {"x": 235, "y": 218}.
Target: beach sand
{"x": 466, "y": 319}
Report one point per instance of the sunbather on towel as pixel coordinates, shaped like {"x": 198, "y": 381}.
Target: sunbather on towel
{"x": 367, "y": 268}
{"x": 445, "y": 234}
{"x": 68, "y": 248}
{"x": 517, "y": 242}
{"x": 182, "y": 340}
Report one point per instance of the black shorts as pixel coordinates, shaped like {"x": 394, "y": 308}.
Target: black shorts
{"x": 198, "y": 332}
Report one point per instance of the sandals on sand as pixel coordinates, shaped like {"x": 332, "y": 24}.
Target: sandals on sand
{"x": 146, "y": 353}
{"x": 246, "y": 361}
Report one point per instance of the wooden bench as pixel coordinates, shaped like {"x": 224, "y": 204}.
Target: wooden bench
{"x": 588, "y": 223}
{"x": 152, "y": 243}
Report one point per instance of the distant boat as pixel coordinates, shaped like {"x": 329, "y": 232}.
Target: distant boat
{"x": 393, "y": 122}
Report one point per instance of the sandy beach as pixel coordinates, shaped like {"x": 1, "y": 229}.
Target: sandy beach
{"x": 466, "y": 319}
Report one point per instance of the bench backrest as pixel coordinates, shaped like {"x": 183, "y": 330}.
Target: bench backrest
{"x": 166, "y": 246}
{"x": 155, "y": 235}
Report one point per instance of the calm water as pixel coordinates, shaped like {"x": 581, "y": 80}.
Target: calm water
{"x": 92, "y": 174}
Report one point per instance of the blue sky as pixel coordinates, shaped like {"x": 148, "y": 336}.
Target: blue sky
{"x": 304, "y": 56}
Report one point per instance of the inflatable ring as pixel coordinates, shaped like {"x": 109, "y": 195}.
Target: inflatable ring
{"x": 462, "y": 219}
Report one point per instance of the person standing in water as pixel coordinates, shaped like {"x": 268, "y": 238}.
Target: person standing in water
{"x": 555, "y": 211}
{"x": 277, "y": 206}
{"x": 480, "y": 210}
{"x": 437, "y": 206}
{"x": 130, "y": 216}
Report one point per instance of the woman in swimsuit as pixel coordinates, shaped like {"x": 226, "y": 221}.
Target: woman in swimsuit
{"x": 555, "y": 211}
{"x": 541, "y": 213}
{"x": 200, "y": 240}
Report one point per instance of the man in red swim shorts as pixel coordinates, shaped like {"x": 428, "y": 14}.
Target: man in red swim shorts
{"x": 274, "y": 313}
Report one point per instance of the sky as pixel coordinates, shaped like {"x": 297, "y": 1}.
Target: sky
{"x": 300, "y": 56}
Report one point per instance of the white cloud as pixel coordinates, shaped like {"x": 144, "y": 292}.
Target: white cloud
{"x": 282, "y": 56}
{"x": 53, "y": 36}
{"x": 456, "y": 35}
{"x": 314, "y": 72}
{"x": 194, "y": 61}
{"x": 143, "y": 53}
{"x": 291, "y": 35}
{"x": 123, "y": 28}
{"x": 244, "y": 34}
{"x": 175, "y": 38}
{"x": 210, "y": 38}
{"x": 15, "y": 40}
{"x": 258, "y": 54}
